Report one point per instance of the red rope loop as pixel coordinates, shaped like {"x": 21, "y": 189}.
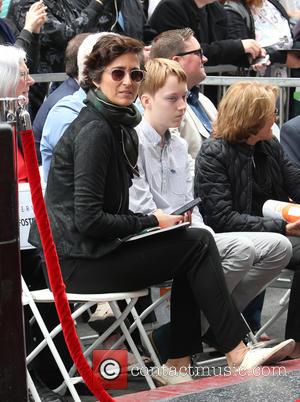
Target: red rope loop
{"x": 57, "y": 285}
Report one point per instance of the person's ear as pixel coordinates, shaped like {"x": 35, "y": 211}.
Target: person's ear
{"x": 176, "y": 58}
{"x": 146, "y": 100}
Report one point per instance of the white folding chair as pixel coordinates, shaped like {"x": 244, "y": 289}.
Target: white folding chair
{"x": 85, "y": 301}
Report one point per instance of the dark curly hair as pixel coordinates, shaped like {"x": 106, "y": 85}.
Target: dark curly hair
{"x": 71, "y": 66}
{"x": 105, "y": 51}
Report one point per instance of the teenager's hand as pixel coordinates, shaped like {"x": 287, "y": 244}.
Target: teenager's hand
{"x": 166, "y": 220}
{"x": 35, "y": 17}
{"x": 293, "y": 229}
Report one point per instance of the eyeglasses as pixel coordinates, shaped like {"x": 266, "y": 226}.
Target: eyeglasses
{"x": 197, "y": 52}
{"x": 118, "y": 74}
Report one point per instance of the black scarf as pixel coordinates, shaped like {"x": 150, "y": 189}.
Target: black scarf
{"x": 125, "y": 118}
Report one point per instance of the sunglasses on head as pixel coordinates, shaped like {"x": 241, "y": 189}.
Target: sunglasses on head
{"x": 118, "y": 74}
{"x": 197, "y": 52}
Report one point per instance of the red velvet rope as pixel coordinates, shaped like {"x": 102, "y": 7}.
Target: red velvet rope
{"x": 57, "y": 285}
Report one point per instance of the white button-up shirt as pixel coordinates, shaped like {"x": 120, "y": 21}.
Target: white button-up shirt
{"x": 165, "y": 180}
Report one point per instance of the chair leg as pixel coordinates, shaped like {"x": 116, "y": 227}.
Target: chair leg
{"x": 50, "y": 343}
{"x": 284, "y": 303}
{"x": 32, "y": 388}
{"x": 116, "y": 310}
{"x": 271, "y": 320}
{"x": 145, "y": 338}
{"x": 253, "y": 339}
{"x": 55, "y": 331}
{"x": 142, "y": 316}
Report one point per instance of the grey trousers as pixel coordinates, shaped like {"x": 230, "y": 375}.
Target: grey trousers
{"x": 250, "y": 261}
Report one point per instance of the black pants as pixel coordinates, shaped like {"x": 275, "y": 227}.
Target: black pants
{"x": 189, "y": 257}
{"x": 293, "y": 318}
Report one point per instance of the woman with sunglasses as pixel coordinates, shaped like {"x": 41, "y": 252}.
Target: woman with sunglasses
{"x": 243, "y": 166}
{"x": 87, "y": 201}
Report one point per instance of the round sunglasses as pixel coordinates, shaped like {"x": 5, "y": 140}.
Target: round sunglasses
{"x": 118, "y": 74}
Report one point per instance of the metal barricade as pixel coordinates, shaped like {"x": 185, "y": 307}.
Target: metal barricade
{"x": 284, "y": 85}
{"x": 222, "y": 81}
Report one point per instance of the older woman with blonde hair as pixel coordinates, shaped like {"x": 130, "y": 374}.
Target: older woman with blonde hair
{"x": 241, "y": 167}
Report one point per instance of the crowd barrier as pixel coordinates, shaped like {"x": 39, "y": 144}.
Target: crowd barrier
{"x": 222, "y": 82}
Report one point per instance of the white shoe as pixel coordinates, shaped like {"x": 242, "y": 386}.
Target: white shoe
{"x": 258, "y": 357}
{"x": 132, "y": 362}
{"x": 165, "y": 375}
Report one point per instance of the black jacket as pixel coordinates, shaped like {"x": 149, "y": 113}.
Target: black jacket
{"x": 224, "y": 181}
{"x": 241, "y": 25}
{"x": 87, "y": 190}
{"x": 67, "y": 18}
{"x": 209, "y": 24}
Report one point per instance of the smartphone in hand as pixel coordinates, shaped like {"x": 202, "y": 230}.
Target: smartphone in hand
{"x": 186, "y": 207}
{"x": 261, "y": 60}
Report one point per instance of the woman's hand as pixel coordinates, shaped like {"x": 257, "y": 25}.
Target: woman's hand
{"x": 187, "y": 217}
{"x": 166, "y": 220}
{"x": 35, "y": 17}
{"x": 261, "y": 63}
{"x": 293, "y": 229}
{"x": 252, "y": 47}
